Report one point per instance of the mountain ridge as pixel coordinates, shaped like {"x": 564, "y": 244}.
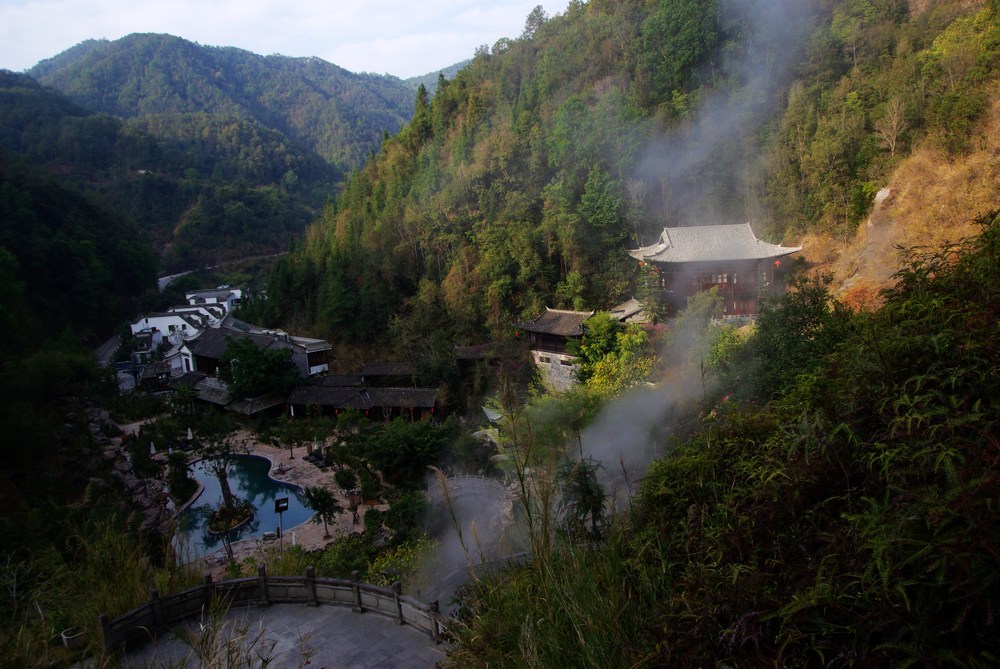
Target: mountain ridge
{"x": 338, "y": 114}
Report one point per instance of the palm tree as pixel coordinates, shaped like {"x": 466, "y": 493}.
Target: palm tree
{"x": 322, "y": 501}
{"x": 582, "y": 498}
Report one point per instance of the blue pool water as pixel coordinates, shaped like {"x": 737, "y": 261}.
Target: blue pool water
{"x": 248, "y": 480}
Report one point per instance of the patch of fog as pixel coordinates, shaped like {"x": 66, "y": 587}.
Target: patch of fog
{"x": 470, "y": 518}
{"x": 708, "y": 170}
{"x": 708, "y": 167}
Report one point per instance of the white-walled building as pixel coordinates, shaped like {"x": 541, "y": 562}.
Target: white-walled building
{"x": 228, "y": 298}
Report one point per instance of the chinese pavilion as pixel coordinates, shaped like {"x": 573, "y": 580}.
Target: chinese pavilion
{"x": 727, "y": 257}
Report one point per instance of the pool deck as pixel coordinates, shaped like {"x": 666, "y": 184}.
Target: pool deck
{"x": 309, "y": 534}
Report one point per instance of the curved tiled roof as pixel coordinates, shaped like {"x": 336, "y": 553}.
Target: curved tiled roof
{"x": 558, "y": 322}
{"x": 700, "y": 243}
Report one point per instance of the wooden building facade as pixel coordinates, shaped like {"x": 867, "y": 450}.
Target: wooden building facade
{"x": 729, "y": 258}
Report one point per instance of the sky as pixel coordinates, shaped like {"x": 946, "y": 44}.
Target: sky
{"x": 404, "y": 38}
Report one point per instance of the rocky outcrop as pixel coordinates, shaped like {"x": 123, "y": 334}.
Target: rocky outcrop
{"x": 148, "y": 499}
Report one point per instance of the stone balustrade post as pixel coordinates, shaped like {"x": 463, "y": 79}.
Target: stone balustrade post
{"x": 154, "y": 600}
{"x": 208, "y": 592}
{"x": 356, "y": 590}
{"x": 436, "y": 621}
{"x": 105, "y": 624}
{"x": 397, "y": 590}
{"x": 262, "y": 599}
{"x": 311, "y": 599}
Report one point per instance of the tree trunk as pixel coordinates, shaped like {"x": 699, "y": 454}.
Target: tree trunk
{"x": 228, "y": 501}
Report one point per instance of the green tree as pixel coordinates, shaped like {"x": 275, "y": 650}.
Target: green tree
{"x": 582, "y": 498}
{"x": 251, "y": 371}
{"x": 612, "y": 356}
{"x": 323, "y": 502}
{"x": 179, "y": 480}
{"x": 346, "y": 479}
{"x": 220, "y": 446}
{"x": 794, "y": 333}
{"x": 676, "y": 37}
{"x": 405, "y": 513}
{"x": 630, "y": 363}
{"x": 402, "y": 450}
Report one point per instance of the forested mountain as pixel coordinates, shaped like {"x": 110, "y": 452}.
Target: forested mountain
{"x": 430, "y": 80}
{"x": 337, "y": 114}
{"x": 216, "y": 152}
{"x": 522, "y": 181}
{"x": 69, "y": 264}
{"x": 204, "y": 187}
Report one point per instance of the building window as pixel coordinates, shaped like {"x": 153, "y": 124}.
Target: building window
{"x": 566, "y": 363}
{"x": 544, "y": 358}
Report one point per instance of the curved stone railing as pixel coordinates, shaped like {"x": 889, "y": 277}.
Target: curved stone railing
{"x": 140, "y": 624}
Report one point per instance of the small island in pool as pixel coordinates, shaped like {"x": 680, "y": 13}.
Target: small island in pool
{"x": 250, "y": 481}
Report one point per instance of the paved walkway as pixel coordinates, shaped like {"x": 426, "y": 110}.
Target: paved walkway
{"x": 309, "y": 534}
{"x": 325, "y": 637}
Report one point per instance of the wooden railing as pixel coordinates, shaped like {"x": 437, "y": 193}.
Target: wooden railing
{"x": 144, "y": 622}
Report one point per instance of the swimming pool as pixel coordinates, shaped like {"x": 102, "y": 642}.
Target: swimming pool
{"x": 249, "y": 480}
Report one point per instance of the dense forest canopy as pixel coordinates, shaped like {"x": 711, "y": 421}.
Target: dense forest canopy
{"x": 217, "y": 153}
{"x": 521, "y": 182}
{"x": 204, "y": 187}
{"x": 827, "y": 495}
{"x": 337, "y": 114}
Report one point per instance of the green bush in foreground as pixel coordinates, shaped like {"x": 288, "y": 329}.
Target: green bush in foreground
{"x": 852, "y": 522}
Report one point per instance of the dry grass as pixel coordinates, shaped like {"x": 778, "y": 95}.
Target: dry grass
{"x": 934, "y": 200}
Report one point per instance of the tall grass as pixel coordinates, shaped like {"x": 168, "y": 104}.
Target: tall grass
{"x": 574, "y": 603}
{"x": 578, "y": 605}
{"x": 100, "y": 569}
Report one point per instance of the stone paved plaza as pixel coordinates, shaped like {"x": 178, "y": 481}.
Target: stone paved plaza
{"x": 325, "y": 637}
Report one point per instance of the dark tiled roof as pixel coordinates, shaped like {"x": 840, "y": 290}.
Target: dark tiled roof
{"x": 338, "y": 397}
{"x": 387, "y": 369}
{"x": 407, "y": 398}
{"x": 187, "y": 380}
{"x": 701, "y": 243}
{"x": 219, "y": 293}
{"x": 364, "y": 398}
{"x": 252, "y": 405}
{"x": 212, "y": 342}
{"x": 627, "y": 310}
{"x": 336, "y": 381}
{"x": 558, "y": 322}
{"x": 212, "y": 390}
{"x": 311, "y": 345}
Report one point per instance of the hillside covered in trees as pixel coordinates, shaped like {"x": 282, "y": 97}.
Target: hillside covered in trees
{"x": 215, "y": 153}
{"x": 339, "y": 115}
{"x": 521, "y": 182}
{"x": 824, "y": 485}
